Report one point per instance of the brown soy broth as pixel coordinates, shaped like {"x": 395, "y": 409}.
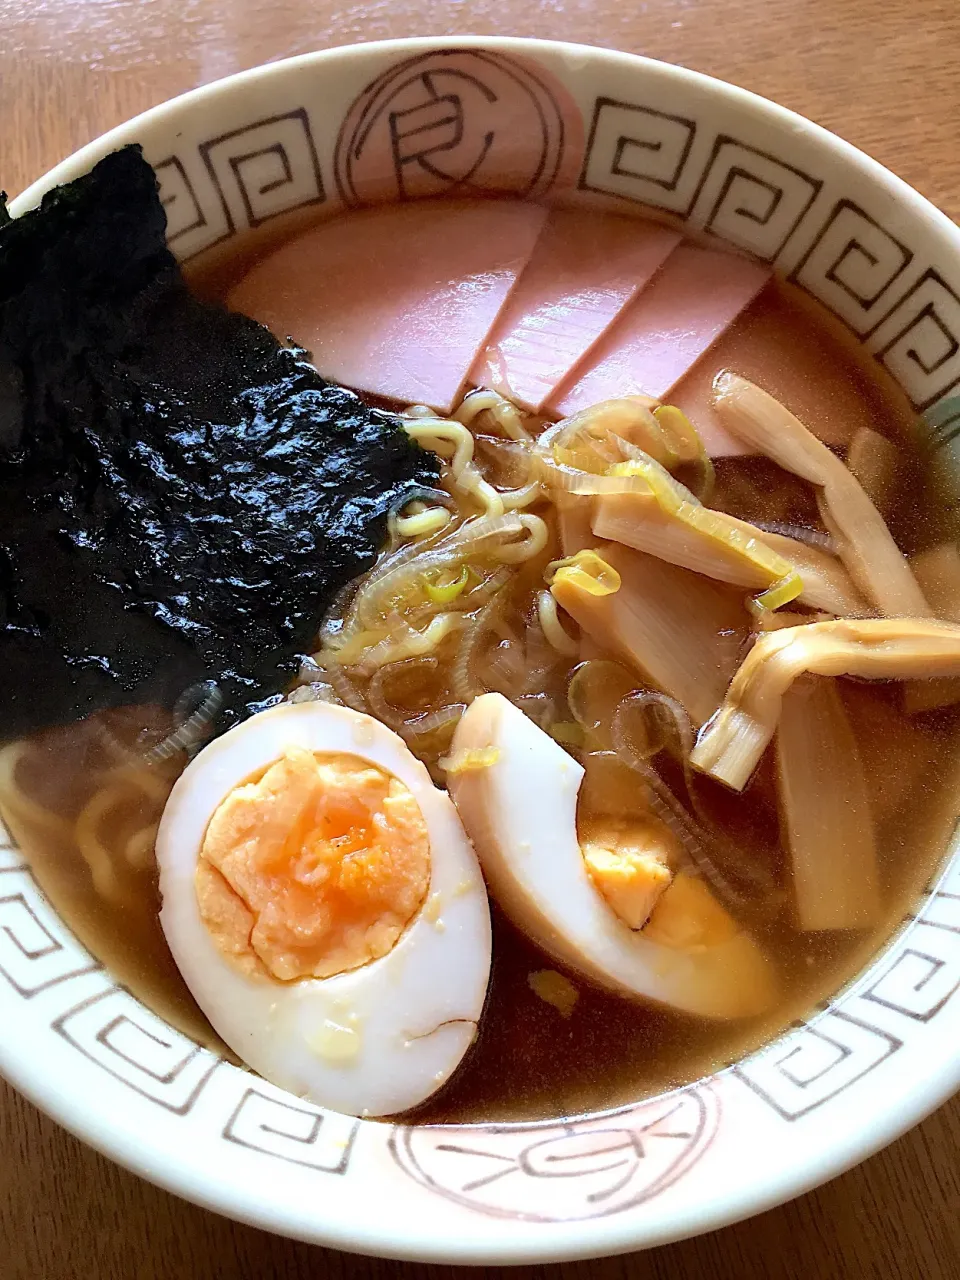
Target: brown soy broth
{"x": 61, "y": 772}
{"x": 529, "y": 1061}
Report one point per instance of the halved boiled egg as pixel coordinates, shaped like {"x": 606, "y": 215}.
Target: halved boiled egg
{"x": 325, "y": 908}
{"x": 607, "y": 906}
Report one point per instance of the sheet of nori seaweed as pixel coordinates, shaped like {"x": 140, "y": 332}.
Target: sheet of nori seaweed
{"x": 180, "y": 495}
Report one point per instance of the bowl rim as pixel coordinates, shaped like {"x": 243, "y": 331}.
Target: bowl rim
{"x": 40, "y": 1081}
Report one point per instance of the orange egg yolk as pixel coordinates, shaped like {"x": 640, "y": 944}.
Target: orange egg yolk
{"x": 629, "y": 863}
{"x": 315, "y": 868}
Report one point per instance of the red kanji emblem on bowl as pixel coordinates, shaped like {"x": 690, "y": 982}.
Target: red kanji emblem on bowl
{"x": 458, "y": 123}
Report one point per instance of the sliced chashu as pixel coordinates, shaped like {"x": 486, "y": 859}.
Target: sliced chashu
{"x": 397, "y": 300}
{"x": 660, "y": 336}
{"x": 585, "y": 269}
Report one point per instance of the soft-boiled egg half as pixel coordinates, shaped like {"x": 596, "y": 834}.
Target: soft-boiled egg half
{"x": 325, "y": 908}
{"x": 608, "y": 906}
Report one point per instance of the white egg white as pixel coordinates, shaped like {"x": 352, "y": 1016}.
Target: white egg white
{"x": 378, "y": 1039}
{"x": 521, "y": 814}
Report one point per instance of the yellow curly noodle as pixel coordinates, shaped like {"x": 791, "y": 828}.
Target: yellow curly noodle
{"x": 488, "y": 596}
{"x": 84, "y": 804}
{"x": 113, "y": 829}
{"x": 459, "y": 604}
{"x": 453, "y": 607}
{"x": 478, "y": 590}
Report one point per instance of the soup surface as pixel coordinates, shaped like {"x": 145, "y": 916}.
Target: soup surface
{"x": 85, "y": 800}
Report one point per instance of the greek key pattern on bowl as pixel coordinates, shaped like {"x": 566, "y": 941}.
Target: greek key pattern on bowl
{"x": 911, "y": 984}
{"x": 36, "y": 953}
{"x": 238, "y": 181}
{"x": 919, "y": 341}
{"x": 39, "y": 957}
{"x": 272, "y": 1123}
{"x": 179, "y": 199}
{"x": 751, "y": 199}
{"x": 586, "y": 1168}
{"x": 121, "y": 1035}
{"x": 457, "y": 122}
{"x": 638, "y": 153}
{"x": 852, "y": 266}
{"x": 843, "y": 256}
{"x": 267, "y": 168}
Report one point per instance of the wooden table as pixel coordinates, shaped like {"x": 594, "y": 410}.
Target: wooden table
{"x": 881, "y": 74}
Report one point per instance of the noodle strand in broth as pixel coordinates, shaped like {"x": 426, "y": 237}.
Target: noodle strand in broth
{"x": 631, "y": 596}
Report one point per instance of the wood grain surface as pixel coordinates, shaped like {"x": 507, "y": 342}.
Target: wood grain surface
{"x": 881, "y": 74}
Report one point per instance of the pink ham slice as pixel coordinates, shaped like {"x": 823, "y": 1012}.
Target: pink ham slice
{"x": 775, "y": 345}
{"x": 396, "y": 301}
{"x": 660, "y": 336}
{"x": 585, "y": 269}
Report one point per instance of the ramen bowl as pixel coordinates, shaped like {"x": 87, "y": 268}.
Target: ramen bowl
{"x": 261, "y": 153}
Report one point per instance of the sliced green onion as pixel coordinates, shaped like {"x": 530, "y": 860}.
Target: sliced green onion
{"x": 776, "y": 596}
{"x": 688, "y": 446}
{"x": 586, "y": 570}
{"x": 448, "y": 591}
{"x": 677, "y": 503}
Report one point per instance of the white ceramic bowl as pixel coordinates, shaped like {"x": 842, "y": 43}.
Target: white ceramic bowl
{"x": 272, "y": 147}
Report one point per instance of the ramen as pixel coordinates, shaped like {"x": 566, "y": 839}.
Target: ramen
{"x": 633, "y": 743}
